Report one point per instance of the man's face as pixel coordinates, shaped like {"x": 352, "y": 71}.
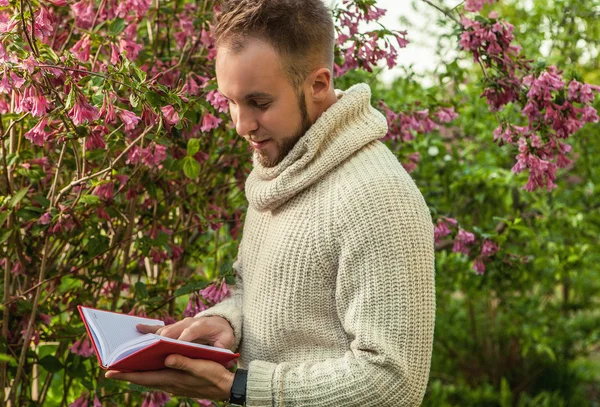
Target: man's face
{"x": 265, "y": 109}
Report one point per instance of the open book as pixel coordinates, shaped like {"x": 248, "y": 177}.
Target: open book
{"x": 120, "y": 346}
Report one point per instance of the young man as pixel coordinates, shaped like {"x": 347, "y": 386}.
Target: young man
{"x": 334, "y": 302}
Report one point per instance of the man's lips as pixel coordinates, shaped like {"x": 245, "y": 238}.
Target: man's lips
{"x": 259, "y": 144}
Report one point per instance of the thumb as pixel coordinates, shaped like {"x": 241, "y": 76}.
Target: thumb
{"x": 179, "y": 362}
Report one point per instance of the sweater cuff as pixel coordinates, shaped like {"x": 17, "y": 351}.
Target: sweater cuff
{"x": 229, "y": 311}
{"x": 259, "y": 388}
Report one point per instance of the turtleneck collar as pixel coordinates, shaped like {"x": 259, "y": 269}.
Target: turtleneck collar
{"x": 346, "y": 127}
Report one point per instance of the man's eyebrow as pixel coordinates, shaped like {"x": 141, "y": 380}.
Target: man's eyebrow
{"x": 253, "y": 95}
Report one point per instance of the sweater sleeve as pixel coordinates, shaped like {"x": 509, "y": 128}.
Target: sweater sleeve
{"x": 385, "y": 300}
{"x": 231, "y": 307}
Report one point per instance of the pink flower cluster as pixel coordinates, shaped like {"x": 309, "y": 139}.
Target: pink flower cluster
{"x": 151, "y": 156}
{"x": 464, "y": 241}
{"x": 550, "y": 114}
{"x": 543, "y": 152}
{"x": 476, "y": 5}
{"x": 82, "y": 401}
{"x": 82, "y": 347}
{"x": 361, "y": 48}
{"x": 156, "y": 399}
{"x": 404, "y": 125}
{"x": 216, "y": 292}
{"x": 194, "y": 306}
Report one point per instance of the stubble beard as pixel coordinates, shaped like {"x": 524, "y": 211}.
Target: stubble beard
{"x": 286, "y": 145}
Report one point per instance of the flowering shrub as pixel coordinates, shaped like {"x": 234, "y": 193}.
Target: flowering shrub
{"x": 122, "y": 180}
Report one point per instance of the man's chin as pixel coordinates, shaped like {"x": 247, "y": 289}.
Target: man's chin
{"x": 266, "y": 161}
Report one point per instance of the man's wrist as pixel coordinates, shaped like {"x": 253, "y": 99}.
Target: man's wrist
{"x": 238, "y": 388}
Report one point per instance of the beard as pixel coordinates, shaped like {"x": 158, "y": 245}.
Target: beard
{"x": 286, "y": 145}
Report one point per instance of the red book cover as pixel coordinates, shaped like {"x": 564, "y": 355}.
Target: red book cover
{"x": 152, "y": 357}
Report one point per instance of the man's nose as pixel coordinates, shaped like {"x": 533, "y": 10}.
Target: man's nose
{"x": 245, "y": 122}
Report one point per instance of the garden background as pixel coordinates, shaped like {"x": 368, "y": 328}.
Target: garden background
{"x": 121, "y": 186}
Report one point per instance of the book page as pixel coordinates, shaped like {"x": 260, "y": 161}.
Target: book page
{"x": 114, "y": 329}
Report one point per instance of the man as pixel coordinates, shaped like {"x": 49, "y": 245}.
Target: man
{"x": 334, "y": 301}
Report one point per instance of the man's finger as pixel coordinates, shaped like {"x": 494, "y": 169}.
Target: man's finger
{"x": 148, "y": 329}
{"x": 182, "y": 363}
{"x": 148, "y": 379}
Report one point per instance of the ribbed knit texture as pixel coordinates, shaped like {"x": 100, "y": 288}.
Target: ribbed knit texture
{"x": 334, "y": 303}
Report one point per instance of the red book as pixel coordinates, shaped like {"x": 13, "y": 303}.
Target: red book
{"x": 120, "y": 346}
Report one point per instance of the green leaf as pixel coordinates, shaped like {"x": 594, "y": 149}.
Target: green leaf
{"x": 51, "y": 364}
{"x": 7, "y": 358}
{"x": 42, "y": 200}
{"x": 188, "y": 288}
{"x": 117, "y": 27}
{"x": 70, "y": 99}
{"x": 153, "y": 98}
{"x": 134, "y": 100}
{"x": 3, "y": 216}
{"x": 139, "y": 73}
{"x": 193, "y": 147}
{"x": 140, "y": 289}
{"x": 17, "y": 197}
{"x": 191, "y": 168}
{"x": 90, "y": 199}
{"x": 5, "y": 235}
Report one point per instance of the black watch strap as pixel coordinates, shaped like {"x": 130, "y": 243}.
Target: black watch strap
{"x": 238, "y": 388}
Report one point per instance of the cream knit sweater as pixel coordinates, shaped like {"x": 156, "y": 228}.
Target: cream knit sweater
{"x": 334, "y": 303}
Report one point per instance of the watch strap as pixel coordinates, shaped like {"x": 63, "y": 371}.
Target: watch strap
{"x": 238, "y": 388}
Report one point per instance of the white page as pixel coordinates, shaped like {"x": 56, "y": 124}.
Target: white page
{"x": 114, "y": 329}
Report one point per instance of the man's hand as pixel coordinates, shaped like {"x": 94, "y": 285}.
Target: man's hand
{"x": 213, "y": 331}
{"x": 185, "y": 377}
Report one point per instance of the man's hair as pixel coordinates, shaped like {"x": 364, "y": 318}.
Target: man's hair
{"x": 301, "y": 31}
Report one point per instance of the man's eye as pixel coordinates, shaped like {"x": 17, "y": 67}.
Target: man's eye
{"x": 262, "y": 106}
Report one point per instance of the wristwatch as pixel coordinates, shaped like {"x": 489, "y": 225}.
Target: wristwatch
{"x": 238, "y": 388}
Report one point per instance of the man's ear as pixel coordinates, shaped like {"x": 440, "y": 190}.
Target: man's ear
{"x": 320, "y": 84}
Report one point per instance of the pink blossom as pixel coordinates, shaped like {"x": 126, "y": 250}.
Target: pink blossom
{"x": 209, "y": 122}
{"x": 156, "y": 399}
{"x": 476, "y": 5}
{"x": 154, "y": 155}
{"x": 462, "y": 241}
{"x": 440, "y": 230}
{"x": 45, "y": 219}
{"x": 82, "y": 111}
{"x": 43, "y": 23}
{"x": 17, "y": 80}
{"x": 170, "y": 115}
{"x": 82, "y": 347}
{"x": 38, "y": 135}
{"x": 58, "y": 2}
{"x": 446, "y": 114}
{"x": 4, "y": 107}
{"x": 84, "y": 13}
{"x": 82, "y": 401}
{"x": 81, "y": 49}
{"x": 105, "y": 191}
{"x": 134, "y": 155}
{"x": 478, "y": 266}
{"x": 115, "y": 53}
{"x": 129, "y": 119}
{"x": 95, "y": 138}
{"x": 5, "y": 86}
{"x": 411, "y": 162}
{"x": 194, "y": 306}
{"x": 205, "y": 403}
{"x": 131, "y": 48}
{"x": 489, "y": 248}
{"x": 97, "y": 402}
{"x": 216, "y": 292}
{"x": 218, "y": 101}
{"x": 107, "y": 111}
{"x": 4, "y": 3}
